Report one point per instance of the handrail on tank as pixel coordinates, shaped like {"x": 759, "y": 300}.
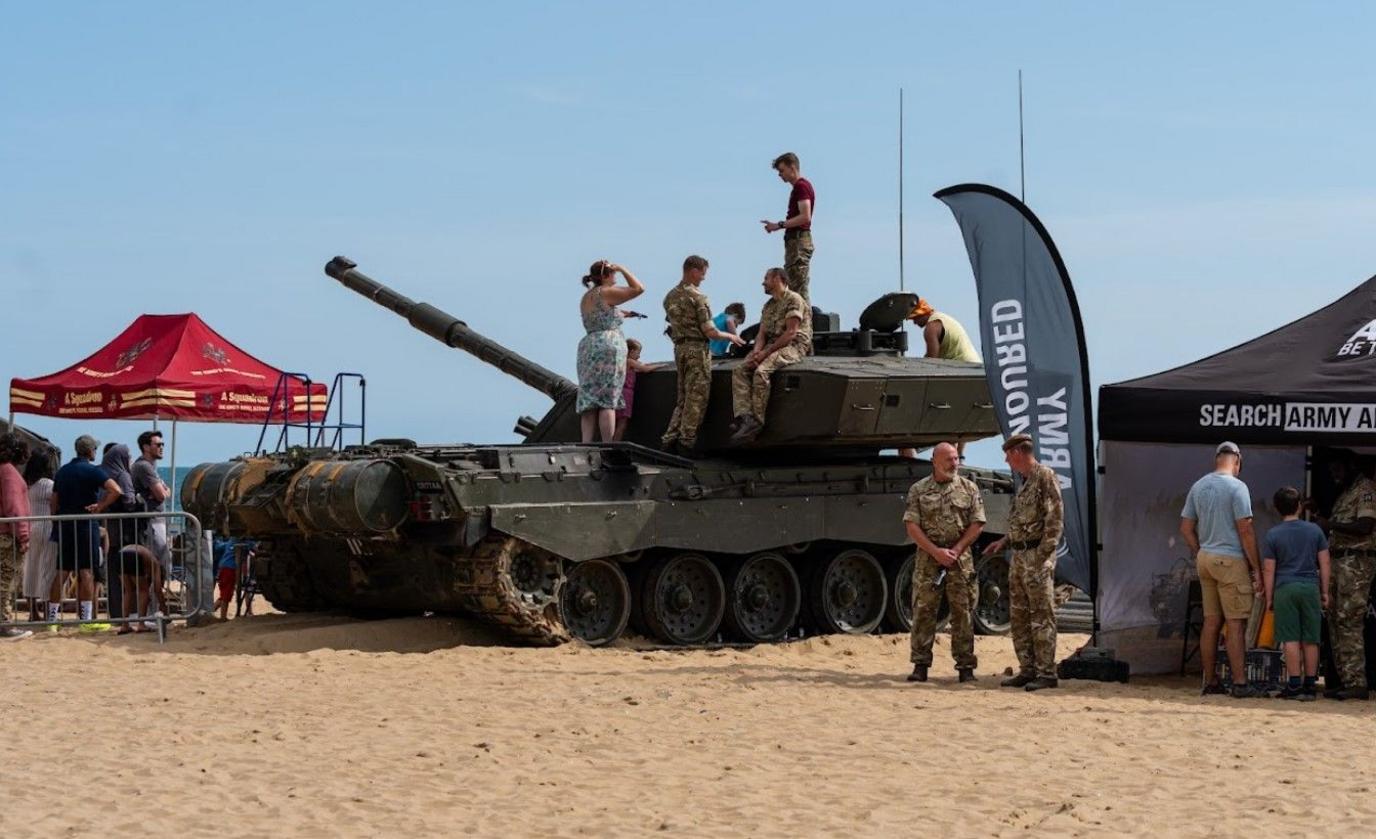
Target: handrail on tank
{"x": 450, "y": 330}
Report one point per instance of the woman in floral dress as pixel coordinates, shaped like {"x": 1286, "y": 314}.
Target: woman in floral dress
{"x": 602, "y": 352}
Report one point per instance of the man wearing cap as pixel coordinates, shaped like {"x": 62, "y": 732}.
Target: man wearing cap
{"x": 1217, "y": 525}
{"x": 943, "y": 335}
{"x": 1034, "y": 532}
{"x": 944, "y": 516}
{"x": 1353, "y": 545}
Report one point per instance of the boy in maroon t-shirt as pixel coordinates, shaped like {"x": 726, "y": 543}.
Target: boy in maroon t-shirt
{"x": 797, "y": 226}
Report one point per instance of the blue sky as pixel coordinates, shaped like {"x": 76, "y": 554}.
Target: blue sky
{"x": 1205, "y": 170}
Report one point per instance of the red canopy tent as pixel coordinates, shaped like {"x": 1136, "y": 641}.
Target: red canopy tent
{"x": 171, "y": 367}
{"x": 174, "y": 367}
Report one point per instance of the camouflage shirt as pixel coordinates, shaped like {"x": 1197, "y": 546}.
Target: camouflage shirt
{"x": 774, "y": 320}
{"x": 944, "y": 509}
{"x": 1358, "y": 501}
{"x": 1038, "y": 512}
{"x": 686, "y": 310}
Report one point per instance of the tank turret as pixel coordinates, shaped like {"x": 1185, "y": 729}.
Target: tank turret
{"x": 859, "y": 392}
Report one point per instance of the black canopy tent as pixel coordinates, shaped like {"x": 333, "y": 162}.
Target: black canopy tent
{"x": 1312, "y": 381}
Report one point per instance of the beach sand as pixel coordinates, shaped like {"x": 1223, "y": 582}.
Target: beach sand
{"x": 324, "y": 726}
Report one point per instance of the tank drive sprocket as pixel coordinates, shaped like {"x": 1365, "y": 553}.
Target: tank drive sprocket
{"x": 513, "y": 584}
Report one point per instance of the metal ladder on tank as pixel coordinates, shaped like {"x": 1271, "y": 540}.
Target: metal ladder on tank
{"x": 321, "y": 434}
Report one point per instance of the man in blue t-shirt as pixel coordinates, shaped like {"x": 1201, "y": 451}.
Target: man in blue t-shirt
{"x": 1217, "y": 525}
{"x": 729, "y": 321}
{"x": 77, "y": 490}
{"x": 1295, "y": 570}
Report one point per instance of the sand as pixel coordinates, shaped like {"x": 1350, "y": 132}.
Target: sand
{"x": 324, "y": 726}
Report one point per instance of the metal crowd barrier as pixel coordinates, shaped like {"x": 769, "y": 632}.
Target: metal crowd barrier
{"x": 135, "y": 569}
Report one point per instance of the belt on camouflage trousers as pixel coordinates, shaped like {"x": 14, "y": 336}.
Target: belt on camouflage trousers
{"x": 1354, "y": 551}
{"x": 1025, "y": 546}
{"x": 678, "y": 341}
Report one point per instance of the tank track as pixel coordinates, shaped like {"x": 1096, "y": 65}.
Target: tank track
{"x": 489, "y": 592}
{"x": 285, "y": 581}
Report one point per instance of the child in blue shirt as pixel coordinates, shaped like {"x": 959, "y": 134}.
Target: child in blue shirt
{"x": 1295, "y": 572}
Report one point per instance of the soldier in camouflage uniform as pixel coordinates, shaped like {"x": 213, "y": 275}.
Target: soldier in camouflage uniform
{"x": 784, "y": 338}
{"x": 944, "y": 516}
{"x": 1353, "y": 545}
{"x": 1034, "y": 531}
{"x": 690, "y": 328}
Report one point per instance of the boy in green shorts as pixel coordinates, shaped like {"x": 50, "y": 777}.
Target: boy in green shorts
{"x": 1295, "y": 572}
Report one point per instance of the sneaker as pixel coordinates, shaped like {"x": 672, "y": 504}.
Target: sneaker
{"x": 89, "y": 628}
{"x": 966, "y": 676}
{"x": 1244, "y": 691}
{"x": 1287, "y": 692}
{"x": 919, "y": 673}
{"x": 14, "y": 633}
{"x": 1017, "y": 681}
{"x": 1213, "y": 689}
{"x": 1042, "y": 682}
{"x": 1308, "y": 695}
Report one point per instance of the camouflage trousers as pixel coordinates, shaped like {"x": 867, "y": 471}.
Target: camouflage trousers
{"x": 961, "y": 588}
{"x": 9, "y": 576}
{"x": 1349, "y": 593}
{"x": 750, "y": 388}
{"x": 693, "y": 359}
{"x": 1032, "y": 612}
{"x": 797, "y": 258}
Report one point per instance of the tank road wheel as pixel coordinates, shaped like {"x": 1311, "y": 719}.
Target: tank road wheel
{"x": 511, "y": 583}
{"x": 595, "y": 601}
{"x": 991, "y": 613}
{"x": 285, "y": 581}
{"x": 898, "y": 614}
{"x": 848, "y": 593}
{"x": 684, "y": 599}
{"x": 762, "y": 598}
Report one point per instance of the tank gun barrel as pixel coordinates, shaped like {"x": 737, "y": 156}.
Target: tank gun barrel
{"x": 450, "y": 330}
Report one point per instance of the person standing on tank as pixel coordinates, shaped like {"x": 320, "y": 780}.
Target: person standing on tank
{"x": 797, "y": 225}
{"x": 944, "y": 516}
{"x": 1034, "y": 533}
{"x": 602, "y": 351}
{"x": 690, "y": 328}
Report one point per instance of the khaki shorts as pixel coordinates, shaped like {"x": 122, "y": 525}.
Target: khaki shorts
{"x": 1226, "y": 585}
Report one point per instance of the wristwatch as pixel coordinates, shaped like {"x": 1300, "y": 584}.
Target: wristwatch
{"x": 781, "y": 225}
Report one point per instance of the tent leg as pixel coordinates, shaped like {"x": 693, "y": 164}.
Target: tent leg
{"x": 172, "y": 484}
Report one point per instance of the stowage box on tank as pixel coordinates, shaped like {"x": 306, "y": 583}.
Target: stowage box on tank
{"x": 550, "y": 537}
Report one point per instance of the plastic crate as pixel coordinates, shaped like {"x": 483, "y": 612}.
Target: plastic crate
{"x": 1265, "y": 668}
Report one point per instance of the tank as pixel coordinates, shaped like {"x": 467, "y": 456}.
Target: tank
{"x": 548, "y": 538}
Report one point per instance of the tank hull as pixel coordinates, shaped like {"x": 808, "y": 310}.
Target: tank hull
{"x": 535, "y": 513}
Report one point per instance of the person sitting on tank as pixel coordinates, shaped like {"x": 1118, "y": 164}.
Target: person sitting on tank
{"x": 943, "y": 337}
{"x": 634, "y": 366}
{"x": 785, "y": 338}
{"x": 731, "y": 319}
{"x": 602, "y": 351}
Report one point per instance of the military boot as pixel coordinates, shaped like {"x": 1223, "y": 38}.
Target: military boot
{"x": 1353, "y": 693}
{"x": 1017, "y": 681}
{"x": 749, "y": 430}
{"x": 966, "y": 675}
{"x": 919, "y": 673}
{"x": 1042, "y": 682}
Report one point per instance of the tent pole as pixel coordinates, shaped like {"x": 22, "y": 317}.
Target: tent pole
{"x": 173, "y": 474}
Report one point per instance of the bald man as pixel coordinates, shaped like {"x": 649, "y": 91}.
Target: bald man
{"x": 944, "y": 517}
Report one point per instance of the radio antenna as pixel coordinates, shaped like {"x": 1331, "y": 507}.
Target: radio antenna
{"x": 901, "y": 277}
{"x": 1022, "y": 158}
